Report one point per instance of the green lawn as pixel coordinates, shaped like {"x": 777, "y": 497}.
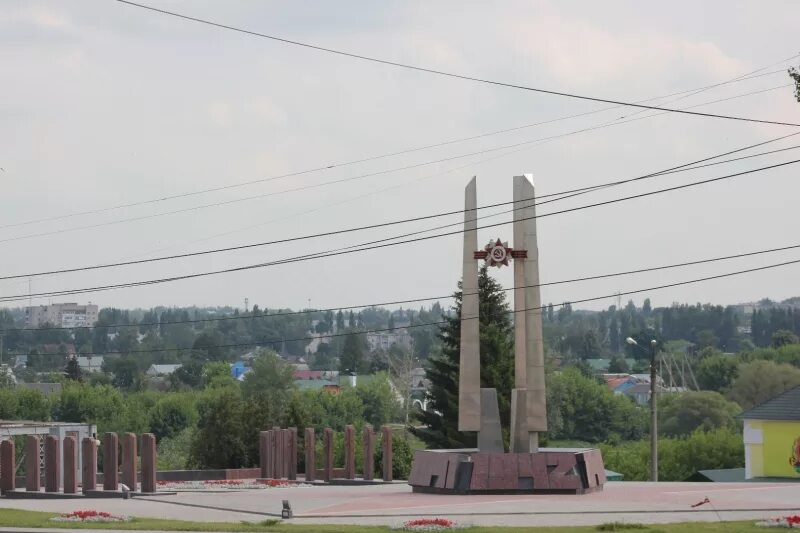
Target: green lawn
{"x": 35, "y": 519}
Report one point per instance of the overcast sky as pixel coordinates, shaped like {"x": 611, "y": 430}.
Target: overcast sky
{"x": 106, "y": 104}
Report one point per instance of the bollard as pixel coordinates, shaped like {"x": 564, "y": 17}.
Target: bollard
{"x": 89, "y": 468}
{"x": 262, "y": 453}
{"x": 292, "y": 473}
{"x": 386, "y": 464}
{"x": 110, "y": 461}
{"x": 70, "y": 465}
{"x": 149, "y": 461}
{"x": 369, "y": 453}
{"x": 33, "y": 469}
{"x": 8, "y": 466}
{"x": 327, "y": 443}
{"x": 310, "y": 445}
{"x": 52, "y": 464}
{"x": 129, "y": 461}
{"x": 349, "y": 453}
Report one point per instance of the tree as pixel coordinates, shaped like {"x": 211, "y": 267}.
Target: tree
{"x": 795, "y": 75}
{"x": 760, "y": 381}
{"x": 171, "y": 414}
{"x": 190, "y": 375}
{"x": 716, "y": 372}
{"x": 440, "y": 424}
{"x": 125, "y": 370}
{"x": 352, "y": 359}
{"x": 784, "y": 337}
{"x": 73, "y": 370}
{"x": 218, "y": 442}
{"x": 208, "y": 346}
{"x": 339, "y": 321}
{"x": 581, "y": 408}
{"x": 618, "y": 365}
{"x": 380, "y": 403}
{"x": 682, "y": 414}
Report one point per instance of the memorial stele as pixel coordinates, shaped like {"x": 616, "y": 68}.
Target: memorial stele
{"x": 525, "y": 467}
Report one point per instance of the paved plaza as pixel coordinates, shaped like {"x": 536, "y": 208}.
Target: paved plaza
{"x": 393, "y": 504}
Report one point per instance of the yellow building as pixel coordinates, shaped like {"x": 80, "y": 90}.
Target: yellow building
{"x": 772, "y": 437}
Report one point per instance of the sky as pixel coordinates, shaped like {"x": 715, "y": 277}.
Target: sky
{"x": 105, "y": 104}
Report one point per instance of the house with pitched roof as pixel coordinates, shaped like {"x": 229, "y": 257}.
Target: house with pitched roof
{"x": 772, "y": 437}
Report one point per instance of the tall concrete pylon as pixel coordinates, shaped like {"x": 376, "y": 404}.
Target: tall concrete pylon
{"x": 469, "y": 375}
{"x": 528, "y": 399}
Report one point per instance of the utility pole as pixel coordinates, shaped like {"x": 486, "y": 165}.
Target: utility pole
{"x": 653, "y": 414}
{"x": 653, "y": 406}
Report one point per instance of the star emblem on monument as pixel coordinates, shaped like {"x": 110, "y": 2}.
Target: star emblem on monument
{"x": 497, "y": 253}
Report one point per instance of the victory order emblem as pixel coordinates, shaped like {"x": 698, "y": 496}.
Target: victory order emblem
{"x": 497, "y": 253}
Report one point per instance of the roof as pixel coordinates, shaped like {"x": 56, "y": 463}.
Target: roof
{"x": 725, "y": 475}
{"x": 309, "y": 374}
{"x": 46, "y": 389}
{"x": 785, "y": 406}
{"x": 313, "y": 384}
{"x": 163, "y": 370}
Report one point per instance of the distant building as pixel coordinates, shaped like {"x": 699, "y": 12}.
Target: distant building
{"x": 91, "y": 363}
{"x": 772, "y": 437}
{"x": 161, "y": 370}
{"x": 384, "y": 341}
{"x": 46, "y": 389}
{"x": 66, "y": 315}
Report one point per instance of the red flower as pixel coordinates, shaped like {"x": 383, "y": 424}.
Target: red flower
{"x": 441, "y": 522}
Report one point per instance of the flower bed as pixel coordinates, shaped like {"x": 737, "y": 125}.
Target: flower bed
{"x": 230, "y": 484}
{"x": 788, "y": 522}
{"x": 428, "y": 524}
{"x": 90, "y": 515}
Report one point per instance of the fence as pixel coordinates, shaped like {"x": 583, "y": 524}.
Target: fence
{"x": 278, "y": 452}
{"x": 61, "y": 464}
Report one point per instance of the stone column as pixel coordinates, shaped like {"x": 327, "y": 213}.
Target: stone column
{"x": 89, "y": 467}
{"x": 349, "y": 452}
{"x": 110, "y": 461}
{"x": 33, "y": 468}
{"x": 327, "y": 443}
{"x": 70, "y": 465}
{"x": 129, "y": 461}
{"x": 386, "y": 444}
{"x": 149, "y": 462}
{"x": 469, "y": 374}
{"x": 536, "y": 412}
{"x": 292, "y": 463}
{"x": 310, "y": 445}
{"x": 262, "y": 453}
{"x": 278, "y": 447}
{"x": 8, "y": 466}
{"x": 52, "y": 464}
{"x": 369, "y": 453}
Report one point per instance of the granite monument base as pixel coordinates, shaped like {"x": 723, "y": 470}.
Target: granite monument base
{"x": 549, "y": 471}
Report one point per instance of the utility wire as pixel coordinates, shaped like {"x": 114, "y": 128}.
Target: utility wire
{"x": 569, "y": 194}
{"x": 361, "y": 176}
{"x": 689, "y": 92}
{"x": 450, "y": 74}
{"x": 319, "y": 255}
{"x": 440, "y": 322}
{"x": 415, "y": 300}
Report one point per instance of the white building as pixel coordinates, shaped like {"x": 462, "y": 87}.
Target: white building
{"x": 161, "y": 370}
{"x": 91, "y": 363}
{"x": 66, "y": 315}
{"x": 384, "y": 341}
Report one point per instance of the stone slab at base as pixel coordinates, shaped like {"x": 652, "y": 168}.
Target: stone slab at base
{"x": 92, "y": 494}
{"x": 549, "y": 471}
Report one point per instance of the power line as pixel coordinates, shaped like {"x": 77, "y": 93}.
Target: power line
{"x": 362, "y": 176}
{"x": 571, "y": 193}
{"x": 415, "y": 300}
{"x": 689, "y": 92}
{"x": 440, "y": 322}
{"x": 450, "y": 74}
{"x": 333, "y": 253}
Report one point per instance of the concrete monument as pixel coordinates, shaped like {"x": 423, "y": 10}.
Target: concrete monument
{"x": 526, "y": 468}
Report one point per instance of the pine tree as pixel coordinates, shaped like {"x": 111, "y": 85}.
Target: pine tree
{"x": 339, "y": 321}
{"x": 73, "y": 370}
{"x": 352, "y": 359}
{"x": 497, "y": 367}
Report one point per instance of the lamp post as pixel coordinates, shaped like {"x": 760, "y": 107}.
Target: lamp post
{"x": 653, "y": 407}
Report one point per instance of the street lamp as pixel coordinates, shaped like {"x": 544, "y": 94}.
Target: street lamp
{"x": 653, "y": 407}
